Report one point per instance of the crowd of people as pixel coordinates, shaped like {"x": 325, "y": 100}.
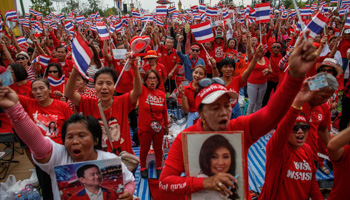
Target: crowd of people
{"x": 87, "y": 116}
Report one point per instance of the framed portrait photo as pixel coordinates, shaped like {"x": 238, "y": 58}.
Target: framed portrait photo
{"x": 206, "y": 154}
{"x": 98, "y": 178}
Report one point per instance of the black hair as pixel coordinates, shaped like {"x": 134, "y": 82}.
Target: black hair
{"x": 234, "y": 39}
{"x": 30, "y": 49}
{"x": 59, "y": 69}
{"x": 61, "y": 46}
{"x": 19, "y": 71}
{"x": 120, "y": 44}
{"x": 106, "y": 71}
{"x": 226, "y": 61}
{"x": 96, "y": 56}
{"x": 81, "y": 170}
{"x": 55, "y": 128}
{"x": 91, "y": 124}
{"x": 147, "y": 74}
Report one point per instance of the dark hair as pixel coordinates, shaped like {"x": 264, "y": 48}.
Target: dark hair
{"x": 120, "y": 44}
{"x": 81, "y": 170}
{"x": 147, "y": 74}
{"x": 91, "y": 124}
{"x": 234, "y": 39}
{"x": 195, "y": 44}
{"x": 106, "y": 71}
{"x": 209, "y": 146}
{"x": 19, "y": 71}
{"x": 30, "y": 49}
{"x": 96, "y": 57}
{"x": 55, "y": 128}
{"x": 59, "y": 69}
{"x": 61, "y": 46}
{"x": 226, "y": 61}
{"x": 42, "y": 80}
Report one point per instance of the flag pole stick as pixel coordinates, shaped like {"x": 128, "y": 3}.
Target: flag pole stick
{"x": 299, "y": 17}
{"x": 260, "y": 33}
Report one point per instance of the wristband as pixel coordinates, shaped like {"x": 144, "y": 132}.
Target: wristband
{"x": 297, "y": 108}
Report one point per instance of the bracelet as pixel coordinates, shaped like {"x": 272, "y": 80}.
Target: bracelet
{"x": 298, "y": 108}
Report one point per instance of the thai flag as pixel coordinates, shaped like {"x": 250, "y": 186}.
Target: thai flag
{"x": 39, "y": 15}
{"x": 262, "y": 12}
{"x": 211, "y": 11}
{"x": 293, "y": 13}
{"x": 306, "y": 11}
{"x": 97, "y": 14}
{"x": 32, "y": 12}
{"x": 135, "y": 13}
{"x": 334, "y": 2}
{"x": 225, "y": 13}
{"x": 38, "y": 27}
{"x": 189, "y": 21}
{"x": 53, "y": 24}
{"x": 325, "y": 10}
{"x": 80, "y": 19}
{"x": 46, "y": 22}
{"x": 159, "y": 22}
{"x": 322, "y": 3}
{"x": 21, "y": 40}
{"x": 241, "y": 21}
{"x": 202, "y": 8}
{"x": 11, "y": 15}
{"x": 246, "y": 12}
{"x": 161, "y": 10}
{"x": 201, "y": 1}
{"x": 194, "y": 9}
{"x": 102, "y": 31}
{"x": 346, "y": 2}
{"x": 202, "y": 32}
{"x": 340, "y": 3}
{"x": 118, "y": 26}
{"x": 172, "y": 9}
{"x": 284, "y": 15}
{"x": 203, "y": 16}
{"x": 251, "y": 21}
{"x": 26, "y": 16}
{"x": 81, "y": 55}
{"x": 175, "y": 14}
{"x": 68, "y": 26}
{"x": 61, "y": 17}
{"x": 317, "y": 24}
{"x": 347, "y": 23}
{"x": 55, "y": 81}
{"x": 147, "y": 18}
{"x": 42, "y": 60}
{"x": 21, "y": 20}
{"x": 313, "y": 6}
{"x": 282, "y": 7}
{"x": 70, "y": 18}
{"x": 252, "y": 14}
{"x": 93, "y": 28}
{"x": 111, "y": 29}
{"x": 119, "y": 5}
{"x": 98, "y": 19}
{"x": 142, "y": 11}
{"x": 343, "y": 11}
{"x": 25, "y": 24}
{"x": 75, "y": 12}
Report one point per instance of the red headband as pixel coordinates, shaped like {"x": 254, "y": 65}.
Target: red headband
{"x": 194, "y": 46}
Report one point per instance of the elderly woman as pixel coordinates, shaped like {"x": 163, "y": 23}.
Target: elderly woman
{"x": 214, "y": 108}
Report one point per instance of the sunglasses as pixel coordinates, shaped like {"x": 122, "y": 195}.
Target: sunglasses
{"x": 195, "y": 50}
{"x": 21, "y": 58}
{"x": 304, "y": 127}
{"x": 205, "y": 82}
{"x": 274, "y": 47}
{"x": 326, "y": 70}
{"x": 53, "y": 71}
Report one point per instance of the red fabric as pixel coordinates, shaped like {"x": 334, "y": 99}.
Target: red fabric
{"x": 341, "y": 177}
{"x": 169, "y": 60}
{"x": 190, "y": 93}
{"x": 274, "y": 61}
{"x": 235, "y": 85}
{"x": 153, "y": 185}
{"x": 203, "y": 55}
{"x": 56, "y": 41}
{"x": 241, "y": 65}
{"x": 108, "y": 194}
{"x": 59, "y": 88}
{"x": 344, "y": 45}
{"x": 118, "y": 112}
{"x": 25, "y": 89}
{"x": 158, "y": 105}
{"x": 161, "y": 71}
{"x": 88, "y": 92}
{"x": 57, "y": 112}
{"x": 66, "y": 68}
{"x": 5, "y": 123}
{"x": 257, "y": 77}
{"x": 283, "y": 180}
{"x": 126, "y": 82}
{"x": 146, "y": 138}
{"x": 318, "y": 116}
{"x": 253, "y": 127}
{"x": 219, "y": 51}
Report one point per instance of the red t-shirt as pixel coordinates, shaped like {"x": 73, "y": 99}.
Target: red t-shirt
{"x": 169, "y": 60}
{"x": 344, "y": 45}
{"x": 126, "y": 82}
{"x": 67, "y": 67}
{"x": 341, "y": 176}
{"x": 158, "y": 105}
{"x": 203, "y": 55}
{"x": 190, "y": 93}
{"x": 52, "y": 116}
{"x": 59, "y": 88}
{"x": 257, "y": 77}
{"x": 117, "y": 119}
{"x": 161, "y": 71}
{"x": 275, "y": 60}
{"x": 241, "y": 65}
{"x": 235, "y": 85}
{"x": 219, "y": 51}
{"x": 230, "y": 52}
{"x": 318, "y": 116}
{"x": 25, "y": 89}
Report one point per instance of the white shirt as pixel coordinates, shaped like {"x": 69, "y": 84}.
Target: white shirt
{"x": 92, "y": 196}
{"x": 60, "y": 156}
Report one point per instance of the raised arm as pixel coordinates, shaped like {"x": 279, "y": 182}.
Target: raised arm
{"x": 6, "y": 51}
{"x": 137, "y": 89}
{"x": 105, "y": 51}
{"x": 70, "y": 92}
{"x": 257, "y": 55}
{"x": 336, "y": 145}
{"x": 185, "y": 105}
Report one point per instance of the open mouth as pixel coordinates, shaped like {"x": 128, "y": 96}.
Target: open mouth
{"x": 223, "y": 124}
{"x": 76, "y": 152}
{"x": 300, "y": 139}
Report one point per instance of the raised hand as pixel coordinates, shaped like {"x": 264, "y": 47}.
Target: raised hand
{"x": 8, "y": 97}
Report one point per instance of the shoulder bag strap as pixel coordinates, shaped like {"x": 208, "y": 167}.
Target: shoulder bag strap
{"x": 106, "y": 127}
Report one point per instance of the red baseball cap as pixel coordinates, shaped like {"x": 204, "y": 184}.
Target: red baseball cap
{"x": 213, "y": 92}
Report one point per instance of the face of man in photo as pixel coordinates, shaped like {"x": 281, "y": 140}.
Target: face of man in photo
{"x": 92, "y": 177}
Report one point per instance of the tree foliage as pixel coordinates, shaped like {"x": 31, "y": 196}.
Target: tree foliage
{"x": 43, "y": 6}
{"x": 71, "y": 5}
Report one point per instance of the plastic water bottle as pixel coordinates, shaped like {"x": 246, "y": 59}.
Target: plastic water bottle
{"x": 18, "y": 196}
{"x": 24, "y": 194}
{"x": 36, "y": 194}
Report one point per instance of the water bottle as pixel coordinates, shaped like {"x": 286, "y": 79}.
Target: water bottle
{"x": 24, "y": 194}
{"x": 29, "y": 193}
{"x": 36, "y": 194}
{"x": 18, "y": 196}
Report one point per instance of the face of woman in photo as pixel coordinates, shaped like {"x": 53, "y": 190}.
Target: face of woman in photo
{"x": 198, "y": 74}
{"x": 217, "y": 115}
{"x": 79, "y": 142}
{"x": 92, "y": 177}
{"x": 40, "y": 91}
{"x": 152, "y": 81}
{"x": 104, "y": 87}
{"x": 220, "y": 160}
{"x": 114, "y": 128}
{"x": 227, "y": 70}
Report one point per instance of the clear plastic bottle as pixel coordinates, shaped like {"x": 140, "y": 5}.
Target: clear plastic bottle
{"x": 18, "y": 196}
{"x": 36, "y": 194}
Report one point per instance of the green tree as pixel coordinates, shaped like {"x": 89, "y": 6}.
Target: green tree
{"x": 94, "y": 5}
{"x": 43, "y": 6}
{"x": 71, "y": 5}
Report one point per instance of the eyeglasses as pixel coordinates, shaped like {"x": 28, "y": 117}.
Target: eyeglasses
{"x": 304, "y": 127}
{"x": 326, "y": 70}
{"x": 152, "y": 78}
{"x": 53, "y": 71}
{"x": 119, "y": 40}
{"x": 205, "y": 82}
{"x": 195, "y": 50}
{"x": 274, "y": 47}
{"x": 21, "y": 58}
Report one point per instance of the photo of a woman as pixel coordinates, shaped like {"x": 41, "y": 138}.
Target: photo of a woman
{"x": 53, "y": 131}
{"x": 218, "y": 155}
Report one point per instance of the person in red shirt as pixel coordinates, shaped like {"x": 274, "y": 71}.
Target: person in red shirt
{"x": 344, "y": 45}
{"x": 272, "y": 82}
{"x": 219, "y": 48}
{"x": 155, "y": 65}
{"x": 339, "y": 153}
{"x": 290, "y": 171}
{"x": 21, "y": 85}
{"x": 203, "y": 54}
{"x": 154, "y": 122}
{"x": 115, "y": 108}
{"x": 213, "y": 103}
{"x": 231, "y": 51}
{"x": 61, "y": 58}
{"x": 55, "y": 71}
